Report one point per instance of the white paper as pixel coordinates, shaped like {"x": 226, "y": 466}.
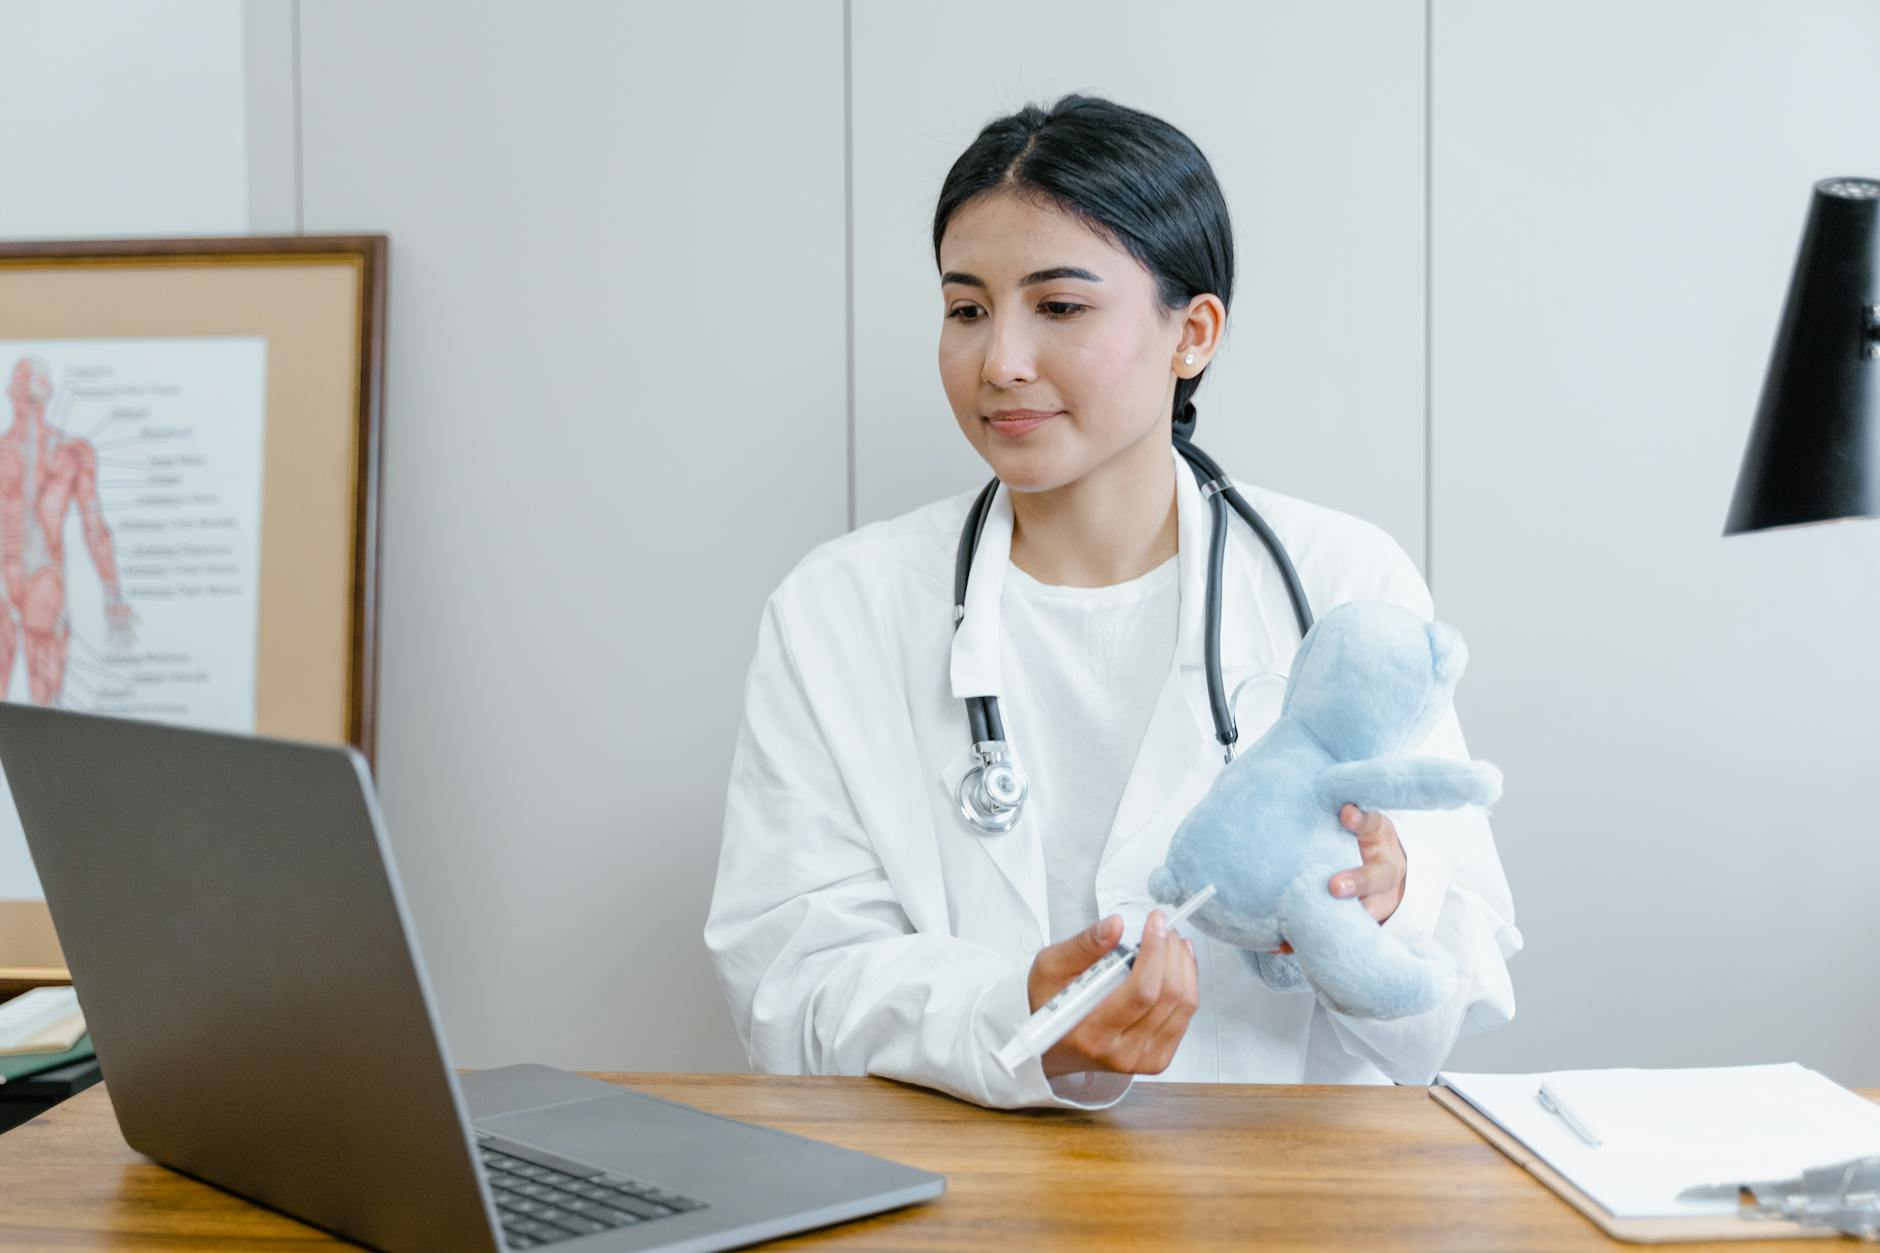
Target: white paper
{"x": 174, "y": 429}
{"x": 33, "y": 1011}
{"x": 1662, "y": 1131}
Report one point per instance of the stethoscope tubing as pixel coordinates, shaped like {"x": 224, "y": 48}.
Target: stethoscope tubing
{"x": 982, "y": 712}
{"x": 1216, "y": 486}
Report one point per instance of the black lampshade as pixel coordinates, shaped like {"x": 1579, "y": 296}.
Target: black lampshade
{"x": 1814, "y": 454}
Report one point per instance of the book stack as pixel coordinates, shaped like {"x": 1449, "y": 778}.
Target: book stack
{"x": 40, "y": 1030}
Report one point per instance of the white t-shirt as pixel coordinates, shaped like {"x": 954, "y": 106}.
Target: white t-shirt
{"x": 1082, "y": 669}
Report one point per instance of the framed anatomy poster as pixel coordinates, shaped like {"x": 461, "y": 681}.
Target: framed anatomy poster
{"x": 189, "y": 453}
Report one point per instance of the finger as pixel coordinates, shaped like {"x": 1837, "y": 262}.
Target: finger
{"x": 1371, "y": 879}
{"x": 1092, "y": 942}
{"x": 1103, "y": 935}
{"x": 1371, "y": 826}
{"x": 1152, "y": 962}
{"x": 1190, "y": 978}
{"x": 1150, "y": 1046}
{"x": 1179, "y": 982}
{"x": 1383, "y": 862}
{"x": 1379, "y": 839}
{"x": 1057, "y": 964}
{"x": 1136, "y": 999}
{"x": 1144, "y": 1038}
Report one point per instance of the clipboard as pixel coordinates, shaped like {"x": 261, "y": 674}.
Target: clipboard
{"x": 1631, "y": 1230}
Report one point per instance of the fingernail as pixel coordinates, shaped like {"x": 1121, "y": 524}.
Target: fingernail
{"x": 1156, "y": 923}
{"x": 1343, "y": 887}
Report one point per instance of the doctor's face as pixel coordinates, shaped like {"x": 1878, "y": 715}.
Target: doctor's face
{"x": 1055, "y": 352}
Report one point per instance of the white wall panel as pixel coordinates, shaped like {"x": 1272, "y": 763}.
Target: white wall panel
{"x": 614, "y": 419}
{"x": 270, "y": 29}
{"x": 1686, "y": 722}
{"x": 119, "y": 118}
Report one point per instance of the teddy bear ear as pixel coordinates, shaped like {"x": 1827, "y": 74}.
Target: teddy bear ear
{"x": 1450, "y": 653}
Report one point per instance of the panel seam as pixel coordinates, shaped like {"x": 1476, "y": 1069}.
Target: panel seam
{"x": 300, "y": 195}
{"x": 1429, "y": 298}
{"x": 848, "y": 260}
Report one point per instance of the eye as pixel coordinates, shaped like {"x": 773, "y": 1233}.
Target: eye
{"x": 1062, "y": 308}
{"x": 961, "y": 311}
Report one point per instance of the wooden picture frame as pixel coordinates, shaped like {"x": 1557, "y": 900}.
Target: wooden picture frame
{"x": 317, "y": 304}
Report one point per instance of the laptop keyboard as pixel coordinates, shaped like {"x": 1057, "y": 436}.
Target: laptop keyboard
{"x": 541, "y": 1205}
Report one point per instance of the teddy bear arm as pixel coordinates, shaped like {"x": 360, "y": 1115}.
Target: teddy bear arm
{"x": 1408, "y": 782}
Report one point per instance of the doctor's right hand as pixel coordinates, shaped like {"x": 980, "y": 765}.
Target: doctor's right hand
{"x": 1135, "y": 1029}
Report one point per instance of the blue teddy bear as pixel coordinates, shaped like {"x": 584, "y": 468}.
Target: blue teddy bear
{"x": 1369, "y": 680}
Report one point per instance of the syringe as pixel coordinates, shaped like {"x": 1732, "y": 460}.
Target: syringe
{"x": 1055, "y": 1018}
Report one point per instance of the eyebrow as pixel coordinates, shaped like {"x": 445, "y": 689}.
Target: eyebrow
{"x": 1035, "y": 277}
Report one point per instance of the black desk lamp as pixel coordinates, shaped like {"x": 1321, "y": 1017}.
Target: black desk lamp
{"x": 1814, "y": 453}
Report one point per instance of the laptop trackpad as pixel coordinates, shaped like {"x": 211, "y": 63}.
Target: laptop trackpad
{"x": 634, "y": 1135}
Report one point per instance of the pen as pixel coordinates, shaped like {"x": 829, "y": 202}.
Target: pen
{"x": 1551, "y": 1102}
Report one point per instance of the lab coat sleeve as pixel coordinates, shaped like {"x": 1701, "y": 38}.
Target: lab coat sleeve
{"x": 823, "y": 970}
{"x": 1456, "y": 898}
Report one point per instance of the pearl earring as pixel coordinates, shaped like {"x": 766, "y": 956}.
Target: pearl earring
{"x": 1189, "y": 359}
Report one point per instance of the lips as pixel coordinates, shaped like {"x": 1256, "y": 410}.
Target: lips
{"x": 1012, "y": 423}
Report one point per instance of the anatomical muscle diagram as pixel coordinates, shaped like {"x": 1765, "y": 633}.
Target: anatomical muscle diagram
{"x": 46, "y": 474}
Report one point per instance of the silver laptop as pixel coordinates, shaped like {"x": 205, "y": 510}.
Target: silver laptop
{"x": 232, "y": 920}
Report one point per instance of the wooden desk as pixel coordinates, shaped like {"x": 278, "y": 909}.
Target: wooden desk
{"x": 1175, "y": 1166}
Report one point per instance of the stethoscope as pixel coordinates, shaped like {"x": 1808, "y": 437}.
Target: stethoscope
{"x": 993, "y": 791}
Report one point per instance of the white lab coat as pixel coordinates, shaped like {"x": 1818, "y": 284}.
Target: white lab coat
{"x": 859, "y": 926}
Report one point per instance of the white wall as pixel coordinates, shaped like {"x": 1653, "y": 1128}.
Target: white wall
{"x": 122, "y": 118}
{"x": 614, "y": 418}
{"x": 1686, "y": 721}
{"x": 618, "y": 241}
{"x": 1311, "y": 115}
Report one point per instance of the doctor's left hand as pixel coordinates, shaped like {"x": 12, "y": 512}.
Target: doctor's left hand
{"x": 1378, "y": 883}
{"x": 1137, "y": 1027}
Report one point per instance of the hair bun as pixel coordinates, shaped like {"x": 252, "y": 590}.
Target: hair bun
{"x": 1185, "y": 419}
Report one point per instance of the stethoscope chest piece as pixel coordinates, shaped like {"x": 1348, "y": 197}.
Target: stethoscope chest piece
{"x": 992, "y": 793}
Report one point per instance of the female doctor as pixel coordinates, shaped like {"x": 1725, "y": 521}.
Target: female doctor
{"x": 861, "y": 924}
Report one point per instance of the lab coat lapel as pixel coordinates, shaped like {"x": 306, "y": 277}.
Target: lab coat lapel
{"x": 1179, "y": 756}
{"x": 1173, "y": 755}
{"x": 974, "y": 671}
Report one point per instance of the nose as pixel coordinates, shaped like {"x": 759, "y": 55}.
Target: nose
{"x": 1011, "y": 356}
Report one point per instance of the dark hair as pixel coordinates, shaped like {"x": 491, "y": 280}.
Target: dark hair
{"x": 1127, "y": 175}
